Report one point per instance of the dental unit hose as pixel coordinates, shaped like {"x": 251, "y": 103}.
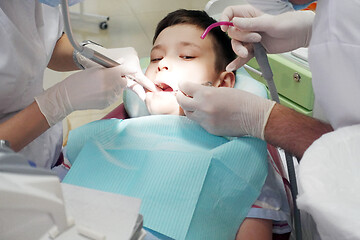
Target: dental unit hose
{"x": 261, "y": 58}
{"x": 86, "y": 52}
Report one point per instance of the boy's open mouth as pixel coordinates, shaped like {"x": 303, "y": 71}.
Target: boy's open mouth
{"x": 164, "y": 87}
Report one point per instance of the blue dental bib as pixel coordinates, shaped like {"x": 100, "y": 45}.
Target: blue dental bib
{"x": 193, "y": 185}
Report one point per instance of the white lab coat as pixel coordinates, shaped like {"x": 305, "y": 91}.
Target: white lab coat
{"x": 29, "y": 31}
{"x": 328, "y": 183}
{"x": 334, "y": 56}
{"x": 328, "y": 172}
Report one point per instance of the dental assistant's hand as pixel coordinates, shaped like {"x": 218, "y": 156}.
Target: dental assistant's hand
{"x": 225, "y": 111}
{"x": 127, "y": 57}
{"x": 277, "y": 33}
{"x": 94, "y": 88}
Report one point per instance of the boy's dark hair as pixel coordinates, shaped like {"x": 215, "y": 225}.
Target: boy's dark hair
{"x": 222, "y": 44}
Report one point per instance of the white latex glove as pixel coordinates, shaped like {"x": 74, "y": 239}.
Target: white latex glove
{"x": 94, "y": 88}
{"x": 277, "y": 33}
{"x": 127, "y": 57}
{"x": 137, "y": 88}
{"x": 225, "y": 111}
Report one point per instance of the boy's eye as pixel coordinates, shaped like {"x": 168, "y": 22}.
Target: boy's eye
{"x": 156, "y": 59}
{"x": 187, "y": 57}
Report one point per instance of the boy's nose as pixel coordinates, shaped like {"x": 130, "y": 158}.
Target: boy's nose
{"x": 163, "y": 65}
{"x": 161, "y": 68}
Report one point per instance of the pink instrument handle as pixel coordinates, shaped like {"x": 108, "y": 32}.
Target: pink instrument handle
{"x": 207, "y": 30}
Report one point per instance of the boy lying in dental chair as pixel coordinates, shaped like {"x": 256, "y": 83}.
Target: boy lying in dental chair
{"x": 193, "y": 185}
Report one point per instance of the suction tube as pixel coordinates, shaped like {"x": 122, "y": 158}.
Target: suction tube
{"x": 261, "y": 58}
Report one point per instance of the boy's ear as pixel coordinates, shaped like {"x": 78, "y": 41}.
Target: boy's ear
{"x": 227, "y": 79}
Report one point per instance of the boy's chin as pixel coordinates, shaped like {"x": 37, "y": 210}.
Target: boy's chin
{"x": 162, "y": 103}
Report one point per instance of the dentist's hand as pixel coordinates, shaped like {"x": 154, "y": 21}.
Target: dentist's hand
{"x": 277, "y": 33}
{"x": 225, "y": 111}
{"x": 94, "y": 88}
{"x": 127, "y": 57}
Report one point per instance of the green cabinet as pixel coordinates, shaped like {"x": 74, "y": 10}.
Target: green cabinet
{"x": 292, "y": 78}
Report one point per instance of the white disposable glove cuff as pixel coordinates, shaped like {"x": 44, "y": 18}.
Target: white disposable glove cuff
{"x": 269, "y": 106}
{"x": 255, "y": 115}
{"x": 54, "y": 104}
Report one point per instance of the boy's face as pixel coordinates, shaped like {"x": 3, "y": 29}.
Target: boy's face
{"x": 178, "y": 54}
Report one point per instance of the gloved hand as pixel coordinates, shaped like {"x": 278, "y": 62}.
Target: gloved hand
{"x": 225, "y": 111}
{"x": 277, "y": 33}
{"x": 124, "y": 56}
{"x": 94, "y": 88}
